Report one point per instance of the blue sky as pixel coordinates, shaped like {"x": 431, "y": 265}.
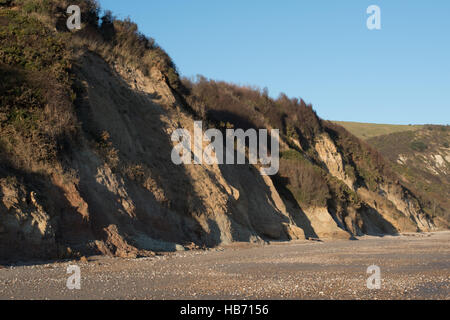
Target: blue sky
{"x": 318, "y": 50}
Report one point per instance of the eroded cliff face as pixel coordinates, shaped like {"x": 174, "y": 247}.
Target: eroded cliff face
{"x": 325, "y": 225}
{"x": 422, "y": 160}
{"x": 332, "y": 158}
{"x": 25, "y": 222}
{"x": 392, "y": 202}
{"x": 125, "y": 197}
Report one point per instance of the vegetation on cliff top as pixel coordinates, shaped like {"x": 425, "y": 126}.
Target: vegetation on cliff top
{"x": 36, "y": 113}
{"x": 366, "y": 131}
{"x": 37, "y": 117}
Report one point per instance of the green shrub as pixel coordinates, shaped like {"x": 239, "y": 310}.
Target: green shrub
{"x": 36, "y": 114}
{"x": 418, "y": 146}
{"x": 292, "y": 155}
{"x": 306, "y": 181}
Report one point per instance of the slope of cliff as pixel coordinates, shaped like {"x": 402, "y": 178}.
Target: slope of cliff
{"x": 422, "y": 160}
{"x": 86, "y": 120}
{"x": 323, "y": 169}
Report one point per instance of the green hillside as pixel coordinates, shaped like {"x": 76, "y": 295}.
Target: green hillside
{"x": 369, "y": 130}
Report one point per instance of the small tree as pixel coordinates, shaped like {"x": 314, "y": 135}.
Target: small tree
{"x": 107, "y": 26}
{"x": 418, "y": 146}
